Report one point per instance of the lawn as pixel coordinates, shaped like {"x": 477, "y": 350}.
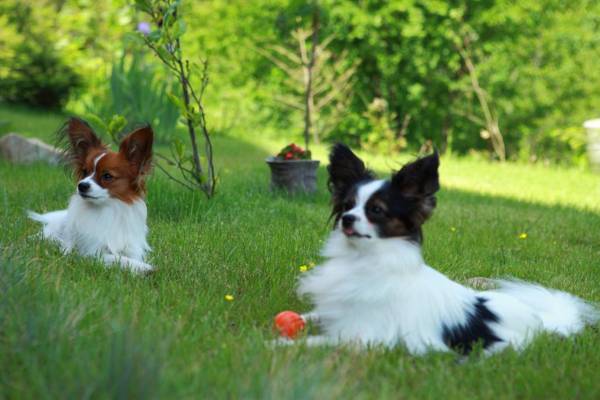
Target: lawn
{"x": 70, "y": 328}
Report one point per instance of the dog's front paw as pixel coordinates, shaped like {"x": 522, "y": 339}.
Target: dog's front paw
{"x": 130, "y": 264}
{"x": 141, "y": 268}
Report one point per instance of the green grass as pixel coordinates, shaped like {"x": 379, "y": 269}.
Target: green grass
{"x": 31, "y": 123}
{"x": 70, "y": 328}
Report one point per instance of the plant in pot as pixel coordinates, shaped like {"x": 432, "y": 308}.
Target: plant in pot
{"x": 293, "y": 170}
{"x": 321, "y": 84}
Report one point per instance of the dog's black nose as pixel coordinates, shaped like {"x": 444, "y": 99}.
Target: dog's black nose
{"x": 83, "y": 187}
{"x": 348, "y": 220}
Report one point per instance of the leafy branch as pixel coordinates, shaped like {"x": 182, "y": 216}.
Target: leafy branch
{"x": 164, "y": 40}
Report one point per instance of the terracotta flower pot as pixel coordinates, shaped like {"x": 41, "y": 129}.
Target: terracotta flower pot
{"x": 293, "y": 176}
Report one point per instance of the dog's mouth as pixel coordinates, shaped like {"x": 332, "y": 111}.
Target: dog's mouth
{"x": 350, "y": 232}
{"x": 87, "y": 196}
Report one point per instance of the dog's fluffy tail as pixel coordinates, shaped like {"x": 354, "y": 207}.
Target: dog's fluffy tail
{"x": 560, "y": 312}
{"x": 53, "y": 217}
{"x": 37, "y": 217}
{"x": 52, "y": 223}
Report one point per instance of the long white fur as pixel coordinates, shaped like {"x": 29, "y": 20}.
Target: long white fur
{"x": 379, "y": 291}
{"x": 101, "y": 226}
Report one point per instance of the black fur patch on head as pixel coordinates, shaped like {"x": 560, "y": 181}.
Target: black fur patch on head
{"x": 346, "y": 170}
{"x": 394, "y": 214}
{"x": 462, "y": 338}
{"x": 418, "y": 182}
{"x": 401, "y": 206}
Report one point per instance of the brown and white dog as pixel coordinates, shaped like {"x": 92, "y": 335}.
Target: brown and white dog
{"x": 106, "y": 216}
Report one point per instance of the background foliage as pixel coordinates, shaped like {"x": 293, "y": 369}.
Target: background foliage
{"x": 137, "y": 92}
{"x": 536, "y": 60}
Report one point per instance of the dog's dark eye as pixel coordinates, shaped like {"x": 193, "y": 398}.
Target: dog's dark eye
{"x": 107, "y": 177}
{"x": 376, "y": 210}
{"x": 84, "y": 172}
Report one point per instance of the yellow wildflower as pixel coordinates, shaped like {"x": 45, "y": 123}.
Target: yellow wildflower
{"x": 303, "y": 268}
{"x": 452, "y": 229}
{"x": 229, "y": 297}
{"x": 523, "y": 236}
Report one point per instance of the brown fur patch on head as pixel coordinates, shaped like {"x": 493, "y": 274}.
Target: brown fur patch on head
{"x": 87, "y": 166}
{"x": 123, "y": 174}
{"x": 137, "y": 149}
{"x": 83, "y": 144}
{"x": 117, "y": 175}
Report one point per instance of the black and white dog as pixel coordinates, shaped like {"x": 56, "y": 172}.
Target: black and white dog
{"x": 375, "y": 289}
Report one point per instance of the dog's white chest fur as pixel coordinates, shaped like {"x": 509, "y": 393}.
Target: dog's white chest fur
{"x": 113, "y": 227}
{"x": 382, "y": 292}
{"x": 381, "y": 296}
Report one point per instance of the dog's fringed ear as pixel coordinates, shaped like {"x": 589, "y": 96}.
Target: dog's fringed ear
{"x": 345, "y": 170}
{"x": 82, "y": 139}
{"x": 419, "y": 180}
{"x": 137, "y": 149}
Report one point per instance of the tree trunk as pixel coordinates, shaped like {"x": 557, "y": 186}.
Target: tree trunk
{"x": 308, "y": 105}
{"x": 445, "y": 134}
{"x": 309, "y": 101}
{"x": 190, "y": 125}
{"x": 491, "y": 120}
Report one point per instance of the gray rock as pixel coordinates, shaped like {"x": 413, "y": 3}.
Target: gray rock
{"x": 20, "y": 150}
{"x": 480, "y": 283}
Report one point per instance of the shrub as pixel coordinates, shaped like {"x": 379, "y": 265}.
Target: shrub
{"x": 558, "y": 146}
{"x": 138, "y": 91}
{"x": 38, "y": 77}
{"x": 32, "y": 69}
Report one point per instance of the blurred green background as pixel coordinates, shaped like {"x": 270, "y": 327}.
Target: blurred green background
{"x": 71, "y": 328}
{"x": 536, "y": 61}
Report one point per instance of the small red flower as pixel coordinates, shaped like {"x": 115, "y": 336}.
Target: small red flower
{"x": 293, "y": 152}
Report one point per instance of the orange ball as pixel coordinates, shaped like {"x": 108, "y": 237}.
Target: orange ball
{"x": 289, "y": 323}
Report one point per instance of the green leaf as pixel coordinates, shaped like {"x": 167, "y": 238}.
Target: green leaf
{"x": 178, "y": 148}
{"x": 135, "y": 38}
{"x": 164, "y": 53}
{"x": 97, "y": 121}
{"x": 178, "y": 29}
{"x": 169, "y": 16}
{"x": 143, "y": 5}
{"x": 155, "y": 35}
{"x": 116, "y": 124}
{"x": 177, "y": 102}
